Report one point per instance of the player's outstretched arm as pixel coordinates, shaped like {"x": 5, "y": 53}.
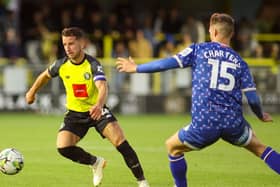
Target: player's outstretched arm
{"x": 41, "y": 80}
{"x": 129, "y": 66}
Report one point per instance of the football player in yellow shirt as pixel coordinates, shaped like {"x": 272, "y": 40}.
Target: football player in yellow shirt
{"x": 86, "y": 92}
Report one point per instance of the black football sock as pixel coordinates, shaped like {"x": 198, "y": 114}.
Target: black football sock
{"x": 77, "y": 154}
{"x": 131, "y": 160}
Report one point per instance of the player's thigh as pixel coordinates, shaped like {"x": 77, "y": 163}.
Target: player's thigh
{"x": 66, "y": 138}
{"x": 175, "y": 147}
{"x": 74, "y": 128}
{"x": 239, "y": 135}
{"x": 198, "y": 138}
{"x": 114, "y": 133}
{"x": 255, "y": 146}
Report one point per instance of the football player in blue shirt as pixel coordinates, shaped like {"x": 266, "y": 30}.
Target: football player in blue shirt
{"x": 219, "y": 76}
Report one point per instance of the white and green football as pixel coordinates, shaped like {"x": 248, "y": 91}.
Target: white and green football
{"x": 11, "y": 161}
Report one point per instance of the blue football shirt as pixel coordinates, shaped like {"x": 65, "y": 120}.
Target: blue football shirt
{"x": 219, "y": 75}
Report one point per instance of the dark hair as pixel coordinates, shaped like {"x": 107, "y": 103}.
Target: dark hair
{"x": 73, "y": 31}
{"x": 225, "y": 20}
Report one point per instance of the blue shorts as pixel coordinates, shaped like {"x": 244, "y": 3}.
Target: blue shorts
{"x": 198, "y": 138}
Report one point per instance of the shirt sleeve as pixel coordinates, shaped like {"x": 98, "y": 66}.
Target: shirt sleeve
{"x": 158, "y": 65}
{"x": 254, "y": 103}
{"x": 247, "y": 81}
{"x": 54, "y": 68}
{"x": 185, "y": 58}
{"x": 98, "y": 72}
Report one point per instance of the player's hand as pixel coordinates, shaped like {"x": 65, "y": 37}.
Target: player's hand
{"x": 95, "y": 112}
{"x": 266, "y": 117}
{"x": 30, "y": 97}
{"x": 126, "y": 65}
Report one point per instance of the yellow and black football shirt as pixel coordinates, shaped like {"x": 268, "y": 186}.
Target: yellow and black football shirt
{"x": 78, "y": 80}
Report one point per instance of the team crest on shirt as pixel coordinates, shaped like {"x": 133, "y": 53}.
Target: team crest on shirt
{"x": 87, "y": 75}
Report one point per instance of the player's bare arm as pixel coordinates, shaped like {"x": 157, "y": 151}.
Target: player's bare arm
{"x": 41, "y": 80}
{"x": 96, "y": 110}
{"x": 126, "y": 65}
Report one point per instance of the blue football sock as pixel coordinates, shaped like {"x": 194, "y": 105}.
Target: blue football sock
{"x": 178, "y": 167}
{"x": 272, "y": 159}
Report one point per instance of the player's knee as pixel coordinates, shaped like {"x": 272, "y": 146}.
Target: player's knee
{"x": 114, "y": 133}
{"x": 168, "y": 145}
{"x": 256, "y": 146}
{"x": 257, "y": 149}
{"x": 173, "y": 148}
{"x": 117, "y": 140}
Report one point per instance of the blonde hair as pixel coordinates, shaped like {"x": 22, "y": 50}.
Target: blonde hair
{"x": 224, "y": 23}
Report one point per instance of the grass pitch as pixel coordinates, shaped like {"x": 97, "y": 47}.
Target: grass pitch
{"x": 220, "y": 165}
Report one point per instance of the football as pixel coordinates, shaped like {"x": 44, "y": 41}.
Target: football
{"x": 11, "y": 161}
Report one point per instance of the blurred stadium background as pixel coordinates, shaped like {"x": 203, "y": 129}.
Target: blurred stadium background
{"x": 30, "y": 41}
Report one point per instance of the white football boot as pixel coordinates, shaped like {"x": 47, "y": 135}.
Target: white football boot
{"x": 143, "y": 183}
{"x": 97, "y": 170}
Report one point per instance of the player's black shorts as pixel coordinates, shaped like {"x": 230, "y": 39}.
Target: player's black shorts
{"x": 80, "y": 122}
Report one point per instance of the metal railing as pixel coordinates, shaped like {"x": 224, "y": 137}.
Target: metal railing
{"x": 127, "y": 89}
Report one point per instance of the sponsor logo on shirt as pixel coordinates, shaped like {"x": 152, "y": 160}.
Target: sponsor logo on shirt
{"x": 80, "y": 90}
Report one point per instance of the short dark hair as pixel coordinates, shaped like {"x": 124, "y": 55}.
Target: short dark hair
{"x": 225, "y": 20}
{"x": 73, "y": 31}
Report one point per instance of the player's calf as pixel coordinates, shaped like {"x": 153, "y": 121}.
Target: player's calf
{"x": 272, "y": 159}
{"x": 131, "y": 160}
{"x": 178, "y": 168}
{"x": 77, "y": 154}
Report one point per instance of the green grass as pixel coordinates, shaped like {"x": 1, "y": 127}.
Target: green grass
{"x": 221, "y": 165}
